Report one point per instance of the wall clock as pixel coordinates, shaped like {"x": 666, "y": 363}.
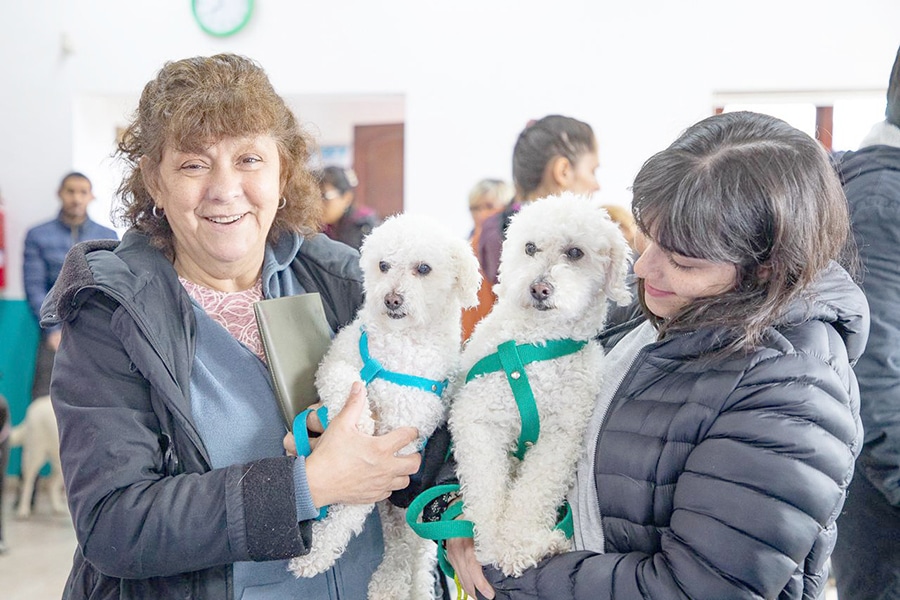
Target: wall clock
{"x": 222, "y": 17}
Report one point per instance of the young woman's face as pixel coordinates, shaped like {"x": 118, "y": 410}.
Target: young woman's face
{"x": 220, "y": 203}
{"x": 672, "y": 281}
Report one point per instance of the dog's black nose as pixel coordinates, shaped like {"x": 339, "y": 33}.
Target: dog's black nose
{"x": 393, "y": 301}
{"x": 541, "y": 290}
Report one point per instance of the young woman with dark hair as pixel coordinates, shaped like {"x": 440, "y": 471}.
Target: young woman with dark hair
{"x": 721, "y": 447}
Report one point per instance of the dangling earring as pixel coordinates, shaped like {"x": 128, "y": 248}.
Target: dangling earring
{"x": 157, "y": 212}
{"x": 283, "y": 203}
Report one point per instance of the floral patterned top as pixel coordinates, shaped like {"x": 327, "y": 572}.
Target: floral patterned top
{"x": 231, "y": 310}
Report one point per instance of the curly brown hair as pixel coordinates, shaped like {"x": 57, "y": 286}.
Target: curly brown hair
{"x": 194, "y": 103}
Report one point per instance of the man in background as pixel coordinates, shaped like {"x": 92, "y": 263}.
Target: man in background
{"x": 46, "y": 246}
{"x": 866, "y": 558}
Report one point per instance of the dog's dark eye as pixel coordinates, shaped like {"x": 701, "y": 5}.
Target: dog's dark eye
{"x": 530, "y": 249}
{"x": 384, "y": 267}
{"x": 574, "y": 253}
{"x": 423, "y": 269}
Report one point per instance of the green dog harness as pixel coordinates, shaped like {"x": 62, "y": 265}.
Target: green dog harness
{"x": 511, "y": 359}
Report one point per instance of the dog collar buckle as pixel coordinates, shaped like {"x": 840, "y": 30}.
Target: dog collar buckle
{"x": 372, "y": 369}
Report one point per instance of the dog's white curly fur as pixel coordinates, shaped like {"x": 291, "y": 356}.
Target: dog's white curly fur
{"x": 562, "y": 260}
{"x": 418, "y": 278}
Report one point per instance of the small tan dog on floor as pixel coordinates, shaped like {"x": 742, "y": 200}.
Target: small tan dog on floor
{"x": 39, "y": 438}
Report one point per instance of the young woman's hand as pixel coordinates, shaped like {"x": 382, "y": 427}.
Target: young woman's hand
{"x": 461, "y": 555}
{"x": 351, "y": 467}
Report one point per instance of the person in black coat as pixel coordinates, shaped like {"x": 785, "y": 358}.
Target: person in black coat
{"x": 719, "y": 453}
{"x": 343, "y": 219}
{"x": 172, "y": 440}
{"x": 867, "y": 556}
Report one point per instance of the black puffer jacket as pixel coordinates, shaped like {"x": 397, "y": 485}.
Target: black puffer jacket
{"x": 722, "y": 479}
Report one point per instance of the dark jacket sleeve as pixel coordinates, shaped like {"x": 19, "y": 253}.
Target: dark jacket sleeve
{"x": 752, "y": 510}
{"x": 875, "y": 207}
{"x": 140, "y": 507}
{"x": 34, "y": 274}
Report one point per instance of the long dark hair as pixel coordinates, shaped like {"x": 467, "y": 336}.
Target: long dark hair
{"x": 542, "y": 141}
{"x": 751, "y": 190}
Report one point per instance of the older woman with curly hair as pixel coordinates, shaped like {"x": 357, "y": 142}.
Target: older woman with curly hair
{"x": 171, "y": 438}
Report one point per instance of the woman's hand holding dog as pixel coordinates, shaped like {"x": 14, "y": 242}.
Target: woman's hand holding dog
{"x": 461, "y": 554}
{"x": 351, "y": 467}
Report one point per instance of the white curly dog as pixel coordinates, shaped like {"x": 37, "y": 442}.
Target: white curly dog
{"x": 562, "y": 259}
{"x": 404, "y": 344}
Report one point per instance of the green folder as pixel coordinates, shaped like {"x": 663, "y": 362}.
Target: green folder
{"x": 295, "y": 336}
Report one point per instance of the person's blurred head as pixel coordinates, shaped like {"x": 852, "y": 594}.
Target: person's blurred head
{"x": 336, "y": 185}
{"x": 75, "y": 193}
{"x": 488, "y": 197}
{"x": 625, "y": 220}
{"x": 194, "y": 104}
{"x": 748, "y": 204}
{"x": 555, "y": 154}
{"x": 892, "y": 112}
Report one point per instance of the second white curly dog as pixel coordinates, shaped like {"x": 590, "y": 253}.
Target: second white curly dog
{"x": 562, "y": 259}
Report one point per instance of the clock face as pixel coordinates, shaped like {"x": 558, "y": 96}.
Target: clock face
{"x": 222, "y": 17}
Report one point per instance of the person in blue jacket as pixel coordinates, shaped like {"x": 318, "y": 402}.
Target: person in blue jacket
{"x": 171, "y": 437}
{"x": 719, "y": 454}
{"x": 45, "y": 250}
{"x": 867, "y": 556}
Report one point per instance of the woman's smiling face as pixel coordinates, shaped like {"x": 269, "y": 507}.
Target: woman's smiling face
{"x": 220, "y": 202}
{"x": 672, "y": 281}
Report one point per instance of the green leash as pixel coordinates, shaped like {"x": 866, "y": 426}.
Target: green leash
{"x": 443, "y": 529}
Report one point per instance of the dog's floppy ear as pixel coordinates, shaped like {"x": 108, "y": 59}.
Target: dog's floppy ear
{"x": 468, "y": 274}
{"x": 616, "y": 284}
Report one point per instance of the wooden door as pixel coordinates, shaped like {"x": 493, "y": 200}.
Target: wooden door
{"x": 378, "y": 162}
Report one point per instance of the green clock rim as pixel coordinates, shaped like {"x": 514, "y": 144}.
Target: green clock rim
{"x": 231, "y": 31}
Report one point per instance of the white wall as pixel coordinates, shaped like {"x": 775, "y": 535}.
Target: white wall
{"x": 471, "y": 74}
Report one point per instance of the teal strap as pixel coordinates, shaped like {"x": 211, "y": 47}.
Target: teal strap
{"x": 565, "y": 522}
{"x": 451, "y": 527}
{"x": 518, "y": 381}
{"x": 441, "y": 530}
{"x": 529, "y": 353}
{"x": 511, "y": 359}
{"x": 446, "y": 527}
{"x": 301, "y": 439}
{"x": 373, "y": 369}
{"x": 301, "y": 433}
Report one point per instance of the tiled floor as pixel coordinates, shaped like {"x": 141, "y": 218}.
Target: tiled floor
{"x": 40, "y": 552}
